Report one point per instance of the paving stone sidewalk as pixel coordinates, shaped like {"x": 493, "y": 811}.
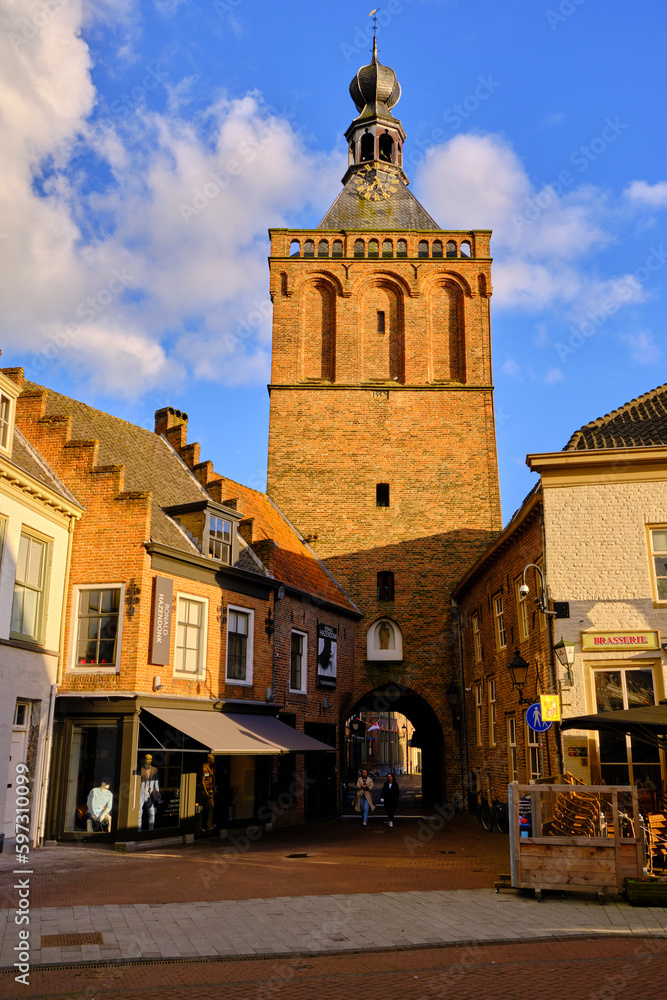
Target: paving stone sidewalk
{"x": 289, "y": 925}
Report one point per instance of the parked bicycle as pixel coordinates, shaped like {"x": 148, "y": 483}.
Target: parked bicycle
{"x": 492, "y": 813}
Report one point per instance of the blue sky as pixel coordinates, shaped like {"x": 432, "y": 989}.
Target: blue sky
{"x": 146, "y": 148}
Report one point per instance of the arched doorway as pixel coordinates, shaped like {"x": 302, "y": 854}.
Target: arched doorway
{"x": 426, "y": 736}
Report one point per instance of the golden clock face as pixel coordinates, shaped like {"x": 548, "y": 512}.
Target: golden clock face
{"x": 375, "y": 184}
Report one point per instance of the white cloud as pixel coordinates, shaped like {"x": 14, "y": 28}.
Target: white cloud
{"x": 511, "y": 368}
{"x": 176, "y": 284}
{"x": 553, "y": 375}
{"x": 643, "y": 349}
{"x": 654, "y": 195}
{"x": 541, "y": 238}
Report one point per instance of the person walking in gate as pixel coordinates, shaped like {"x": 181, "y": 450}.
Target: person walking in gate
{"x": 390, "y": 793}
{"x": 363, "y": 801}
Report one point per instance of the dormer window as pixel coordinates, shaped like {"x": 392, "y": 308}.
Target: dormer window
{"x": 5, "y": 421}
{"x": 219, "y": 538}
{"x": 8, "y": 393}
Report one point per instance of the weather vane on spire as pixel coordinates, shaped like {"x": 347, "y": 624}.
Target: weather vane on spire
{"x": 374, "y": 15}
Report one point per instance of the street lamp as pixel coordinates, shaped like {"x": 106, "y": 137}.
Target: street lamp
{"x": 542, "y": 604}
{"x": 564, "y": 652}
{"x": 518, "y": 668}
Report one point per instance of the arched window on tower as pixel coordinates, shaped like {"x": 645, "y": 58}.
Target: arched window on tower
{"x": 446, "y": 350}
{"x": 422, "y": 249}
{"x": 465, "y": 249}
{"x": 337, "y": 248}
{"x": 318, "y": 331}
{"x": 386, "y": 147}
{"x": 451, "y": 248}
{"x": 373, "y": 249}
{"x": 481, "y": 284}
{"x": 294, "y": 248}
{"x": 359, "y": 248}
{"x": 437, "y": 248}
{"x": 309, "y": 248}
{"x": 323, "y": 248}
{"x": 367, "y": 147}
{"x": 402, "y": 248}
{"x": 387, "y": 248}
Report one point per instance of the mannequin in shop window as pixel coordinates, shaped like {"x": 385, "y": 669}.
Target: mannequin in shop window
{"x": 149, "y": 792}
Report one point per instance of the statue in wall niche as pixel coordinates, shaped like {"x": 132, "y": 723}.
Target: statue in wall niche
{"x": 385, "y": 634}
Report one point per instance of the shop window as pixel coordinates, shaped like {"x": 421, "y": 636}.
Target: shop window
{"x": 499, "y": 620}
{"x": 658, "y": 543}
{"x": 385, "y": 586}
{"x": 239, "y": 645}
{"x": 298, "y": 662}
{"x": 512, "y": 756}
{"x": 191, "y": 622}
{"x": 382, "y": 495}
{"x": 92, "y": 763}
{"x": 492, "y": 711}
{"x": 477, "y": 637}
{"x": 625, "y": 760}
{"x": 98, "y": 627}
{"x": 479, "y": 711}
{"x": 29, "y": 604}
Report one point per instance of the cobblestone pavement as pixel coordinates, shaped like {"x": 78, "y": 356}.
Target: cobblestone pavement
{"x": 584, "y": 969}
{"x": 340, "y": 857}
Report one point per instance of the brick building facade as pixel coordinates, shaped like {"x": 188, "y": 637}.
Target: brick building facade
{"x": 193, "y": 624}
{"x": 382, "y": 444}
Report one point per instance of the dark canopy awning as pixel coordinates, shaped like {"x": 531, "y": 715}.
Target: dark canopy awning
{"x": 238, "y": 734}
{"x": 647, "y": 723}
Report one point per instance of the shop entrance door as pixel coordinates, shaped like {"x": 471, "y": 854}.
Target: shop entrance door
{"x": 17, "y": 755}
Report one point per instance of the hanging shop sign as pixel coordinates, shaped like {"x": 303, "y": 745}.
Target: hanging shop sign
{"x": 620, "y": 640}
{"x": 550, "y": 707}
{"x": 327, "y": 655}
{"x": 162, "y": 608}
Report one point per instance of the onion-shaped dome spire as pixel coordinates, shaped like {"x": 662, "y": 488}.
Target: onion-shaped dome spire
{"x": 375, "y": 89}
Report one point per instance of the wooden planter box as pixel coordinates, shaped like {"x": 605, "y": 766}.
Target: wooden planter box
{"x": 645, "y": 892}
{"x": 594, "y": 858}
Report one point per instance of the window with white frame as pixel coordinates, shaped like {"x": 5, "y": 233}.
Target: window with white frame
{"x": 658, "y": 545}
{"x": 191, "y": 624}
{"x": 499, "y": 616}
{"x": 534, "y": 741}
{"x": 626, "y": 760}
{"x": 98, "y": 626}
{"x": 219, "y": 538}
{"x": 479, "y": 709}
{"x": 5, "y": 421}
{"x": 492, "y": 711}
{"x": 298, "y": 662}
{"x": 512, "y": 757}
{"x": 30, "y": 589}
{"x": 477, "y": 638}
{"x": 239, "y": 645}
{"x": 522, "y": 611}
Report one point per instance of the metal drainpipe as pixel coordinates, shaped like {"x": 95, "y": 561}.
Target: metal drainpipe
{"x": 456, "y": 610}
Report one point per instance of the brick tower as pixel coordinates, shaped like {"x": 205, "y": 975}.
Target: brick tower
{"x": 381, "y": 443}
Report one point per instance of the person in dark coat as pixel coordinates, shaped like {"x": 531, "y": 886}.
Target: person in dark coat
{"x": 390, "y": 793}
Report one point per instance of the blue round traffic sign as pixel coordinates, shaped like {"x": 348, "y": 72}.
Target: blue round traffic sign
{"x": 535, "y": 720}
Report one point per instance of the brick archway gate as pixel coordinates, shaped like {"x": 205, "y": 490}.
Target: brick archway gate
{"x": 428, "y": 735}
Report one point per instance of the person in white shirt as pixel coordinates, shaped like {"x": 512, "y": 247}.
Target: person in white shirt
{"x": 100, "y": 802}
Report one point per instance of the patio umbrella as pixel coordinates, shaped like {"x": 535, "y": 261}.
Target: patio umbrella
{"x": 648, "y": 723}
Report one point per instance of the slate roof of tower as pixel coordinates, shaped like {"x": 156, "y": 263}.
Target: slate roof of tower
{"x": 400, "y": 211}
{"x": 637, "y": 424}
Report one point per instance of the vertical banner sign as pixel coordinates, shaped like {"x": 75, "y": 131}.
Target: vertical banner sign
{"x": 550, "y": 707}
{"x": 163, "y": 600}
{"x": 327, "y": 655}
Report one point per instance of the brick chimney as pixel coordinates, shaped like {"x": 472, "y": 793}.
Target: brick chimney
{"x": 15, "y": 375}
{"x": 245, "y": 528}
{"x": 174, "y": 425}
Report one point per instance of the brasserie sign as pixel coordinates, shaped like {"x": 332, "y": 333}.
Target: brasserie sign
{"x": 620, "y": 640}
